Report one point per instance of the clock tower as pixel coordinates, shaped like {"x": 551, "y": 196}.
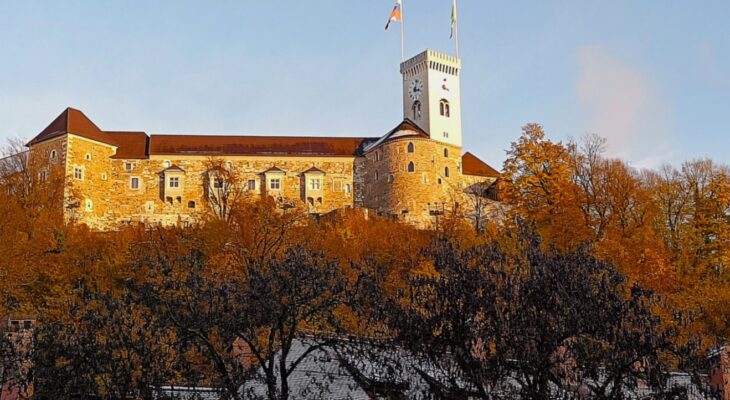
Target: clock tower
{"x": 432, "y": 96}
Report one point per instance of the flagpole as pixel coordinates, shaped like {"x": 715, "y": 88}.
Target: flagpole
{"x": 402, "y": 22}
{"x": 456, "y": 29}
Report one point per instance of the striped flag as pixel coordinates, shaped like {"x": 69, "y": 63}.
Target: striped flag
{"x": 453, "y": 18}
{"x": 395, "y": 15}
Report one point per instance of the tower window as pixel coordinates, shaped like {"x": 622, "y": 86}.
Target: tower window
{"x": 446, "y": 152}
{"x": 411, "y": 148}
{"x": 416, "y": 108}
{"x": 444, "y": 108}
{"x": 446, "y": 172}
{"x": 411, "y": 167}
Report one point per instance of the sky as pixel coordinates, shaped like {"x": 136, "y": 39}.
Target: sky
{"x": 651, "y": 76}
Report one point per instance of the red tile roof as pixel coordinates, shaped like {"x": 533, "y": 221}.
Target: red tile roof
{"x": 254, "y": 145}
{"x": 75, "y": 122}
{"x": 471, "y": 165}
{"x": 129, "y": 144}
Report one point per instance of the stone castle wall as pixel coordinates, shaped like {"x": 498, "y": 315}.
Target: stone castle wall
{"x": 413, "y": 196}
{"x": 99, "y": 190}
{"x": 105, "y": 197}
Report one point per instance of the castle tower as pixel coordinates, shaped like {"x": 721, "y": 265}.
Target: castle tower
{"x": 432, "y": 95}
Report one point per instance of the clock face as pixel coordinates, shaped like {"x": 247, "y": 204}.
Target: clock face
{"x": 415, "y": 89}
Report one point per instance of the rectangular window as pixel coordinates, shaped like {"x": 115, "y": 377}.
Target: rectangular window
{"x": 128, "y": 166}
{"x": 337, "y": 186}
{"x": 275, "y": 184}
{"x": 251, "y": 184}
{"x": 446, "y": 134}
{"x": 314, "y": 184}
{"x": 174, "y": 182}
{"x": 79, "y": 173}
{"x": 43, "y": 176}
{"x": 134, "y": 183}
{"x": 218, "y": 183}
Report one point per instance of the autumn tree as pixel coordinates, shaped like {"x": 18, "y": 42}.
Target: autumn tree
{"x": 538, "y": 186}
{"x": 532, "y": 324}
{"x": 223, "y": 188}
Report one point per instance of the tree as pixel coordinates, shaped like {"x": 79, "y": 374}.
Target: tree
{"x": 532, "y": 324}
{"x": 223, "y": 191}
{"x": 106, "y": 347}
{"x": 242, "y": 326}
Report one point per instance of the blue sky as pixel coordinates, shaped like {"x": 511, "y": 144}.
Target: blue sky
{"x": 651, "y": 76}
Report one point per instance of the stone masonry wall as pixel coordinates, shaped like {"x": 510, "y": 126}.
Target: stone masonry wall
{"x": 107, "y": 182}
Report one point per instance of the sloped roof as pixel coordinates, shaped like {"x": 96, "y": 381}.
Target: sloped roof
{"x": 129, "y": 144}
{"x": 405, "y": 128}
{"x": 255, "y": 145}
{"x": 75, "y": 122}
{"x": 274, "y": 170}
{"x": 472, "y": 165}
{"x": 313, "y": 170}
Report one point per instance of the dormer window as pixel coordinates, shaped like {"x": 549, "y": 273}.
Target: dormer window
{"x": 174, "y": 182}
{"x": 411, "y": 148}
{"x": 444, "y": 108}
{"x": 314, "y": 184}
{"x": 275, "y": 184}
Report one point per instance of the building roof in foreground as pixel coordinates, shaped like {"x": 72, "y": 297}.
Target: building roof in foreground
{"x": 139, "y": 145}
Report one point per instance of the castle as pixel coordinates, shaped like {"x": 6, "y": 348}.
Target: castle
{"x": 414, "y": 172}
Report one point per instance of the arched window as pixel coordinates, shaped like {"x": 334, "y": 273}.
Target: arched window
{"x": 446, "y": 172}
{"x": 53, "y": 154}
{"x": 416, "y": 109}
{"x": 411, "y": 167}
{"x": 376, "y": 174}
{"x": 87, "y": 156}
{"x": 446, "y": 152}
{"x": 444, "y": 108}
{"x": 411, "y": 148}
{"x": 377, "y": 156}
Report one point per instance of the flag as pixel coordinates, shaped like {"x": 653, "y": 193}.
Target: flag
{"x": 453, "y": 18}
{"x": 395, "y": 15}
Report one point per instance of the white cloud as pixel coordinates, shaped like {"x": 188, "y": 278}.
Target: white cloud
{"x": 620, "y": 104}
